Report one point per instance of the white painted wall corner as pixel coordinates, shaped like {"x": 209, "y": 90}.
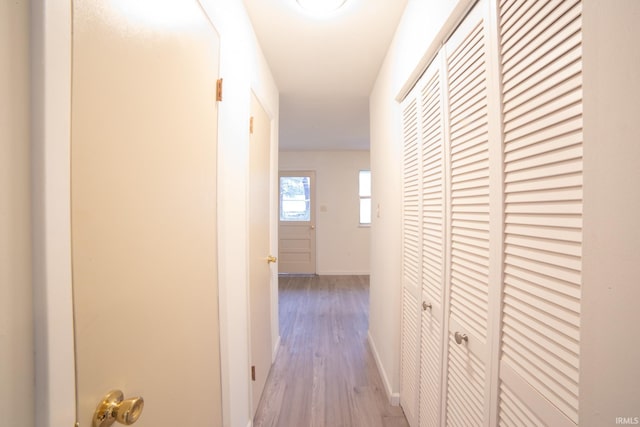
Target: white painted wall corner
{"x": 276, "y": 347}
{"x": 394, "y": 397}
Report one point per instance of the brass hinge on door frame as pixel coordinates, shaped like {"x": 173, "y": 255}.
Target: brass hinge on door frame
{"x": 219, "y": 90}
{"x": 251, "y": 125}
{"x": 253, "y": 373}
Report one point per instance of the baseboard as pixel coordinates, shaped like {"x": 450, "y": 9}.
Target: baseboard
{"x": 394, "y": 398}
{"x": 325, "y": 273}
{"x": 275, "y": 350}
{"x": 343, "y": 273}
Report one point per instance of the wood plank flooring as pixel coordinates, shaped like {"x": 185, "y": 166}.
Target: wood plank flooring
{"x": 324, "y": 374}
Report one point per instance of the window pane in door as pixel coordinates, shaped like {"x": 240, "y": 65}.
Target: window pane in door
{"x": 295, "y": 198}
{"x": 365, "y": 183}
{"x": 365, "y": 211}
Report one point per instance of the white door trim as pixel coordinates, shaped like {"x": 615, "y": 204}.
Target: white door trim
{"x": 51, "y": 219}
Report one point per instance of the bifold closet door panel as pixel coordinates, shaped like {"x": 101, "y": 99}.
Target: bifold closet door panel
{"x": 411, "y": 260}
{"x": 433, "y": 242}
{"x": 540, "y": 43}
{"x": 468, "y": 376}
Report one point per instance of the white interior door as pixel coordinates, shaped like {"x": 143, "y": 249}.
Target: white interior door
{"x": 470, "y": 235}
{"x": 541, "y": 45}
{"x": 260, "y": 258}
{"x": 433, "y": 241}
{"x": 144, "y": 128}
{"x": 411, "y": 261}
{"x": 297, "y": 230}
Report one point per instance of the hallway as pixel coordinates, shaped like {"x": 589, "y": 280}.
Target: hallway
{"x": 325, "y": 373}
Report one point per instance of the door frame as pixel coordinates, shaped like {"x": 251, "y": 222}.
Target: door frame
{"x": 55, "y": 392}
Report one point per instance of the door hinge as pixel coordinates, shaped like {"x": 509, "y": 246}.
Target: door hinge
{"x": 253, "y": 373}
{"x": 251, "y": 125}
{"x": 219, "y": 90}
{"x": 77, "y": 424}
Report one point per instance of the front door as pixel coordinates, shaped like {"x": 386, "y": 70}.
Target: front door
{"x": 297, "y": 231}
{"x": 143, "y": 196}
{"x": 260, "y": 258}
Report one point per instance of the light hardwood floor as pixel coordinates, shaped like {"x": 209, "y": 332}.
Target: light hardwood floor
{"x": 325, "y": 374}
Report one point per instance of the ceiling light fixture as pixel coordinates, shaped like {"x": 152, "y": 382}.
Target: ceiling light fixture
{"x": 321, "y": 6}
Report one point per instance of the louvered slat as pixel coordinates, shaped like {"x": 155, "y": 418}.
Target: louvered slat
{"x": 430, "y": 370}
{"x": 542, "y": 111}
{"x": 433, "y": 247}
{"x": 432, "y": 187}
{"x": 468, "y": 216}
{"x": 410, "y": 192}
{"x": 466, "y": 378}
{"x": 469, "y": 182}
{"x": 514, "y": 412}
{"x": 410, "y": 352}
{"x": 411, "y": 260}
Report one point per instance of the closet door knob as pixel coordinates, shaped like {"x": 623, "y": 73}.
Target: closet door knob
{"x": 425, "y": 306}
{"x": 461, "y": 337}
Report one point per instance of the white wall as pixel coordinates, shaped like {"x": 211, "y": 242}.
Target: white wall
{"x": 243, "y": 69}
{"x": 610, "y": 344}
{"x": 342, "y": 245}
{"x": 419, "y": 25}
{"x": 16, "y": 321}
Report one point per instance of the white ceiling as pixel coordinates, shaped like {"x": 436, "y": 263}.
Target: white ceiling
{"x": 325, "y": 68}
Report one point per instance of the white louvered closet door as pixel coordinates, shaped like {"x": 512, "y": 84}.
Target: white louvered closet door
{"x": 411, "y": 260}
{"x": 541, "y": 54}
{"x": 433, "y": 242}
{"x": 470, "y": 235}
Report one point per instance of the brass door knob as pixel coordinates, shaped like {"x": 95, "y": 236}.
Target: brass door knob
{"x": 115, "y": 408}
{"x": 271, "y": 259}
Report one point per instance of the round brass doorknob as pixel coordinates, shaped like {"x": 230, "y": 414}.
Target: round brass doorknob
{"x": 129, "y": 410}
{"x": 271, "y": 259}
{"x": 115, "y": 408}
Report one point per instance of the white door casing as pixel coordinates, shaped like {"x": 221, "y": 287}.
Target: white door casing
{"x": 51, "y": 126}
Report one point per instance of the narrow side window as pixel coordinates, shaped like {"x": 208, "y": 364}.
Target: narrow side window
{"x": 365, "y": 197}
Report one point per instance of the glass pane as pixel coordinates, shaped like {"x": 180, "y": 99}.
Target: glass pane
{"x": 295, "y": 199}
{"x": 365, "y": 211}
{"x": 365, "y": 183}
